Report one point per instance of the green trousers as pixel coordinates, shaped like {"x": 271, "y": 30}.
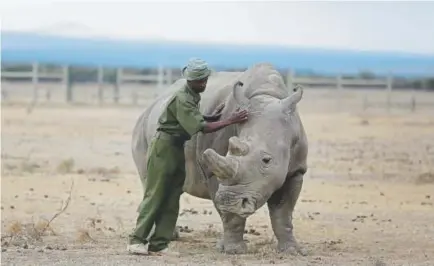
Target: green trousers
{"x": 162, "y": 191}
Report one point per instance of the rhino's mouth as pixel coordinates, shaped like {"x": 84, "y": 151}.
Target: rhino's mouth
{"x": 236, "y": 200}
{"x": 224, "y": 168}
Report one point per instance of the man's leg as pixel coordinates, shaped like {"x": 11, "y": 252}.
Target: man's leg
{"x": 166, "y": 220}
{"x": 161, "y": 166}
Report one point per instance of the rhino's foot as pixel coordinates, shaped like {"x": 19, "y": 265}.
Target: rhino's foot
{"x": 232, "y": 247}
{"x": 291, "y": 247}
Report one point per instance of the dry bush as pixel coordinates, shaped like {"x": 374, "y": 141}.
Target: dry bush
{"x": 211, "y": 232}
{"x": 66, "y": 166}
{"x": 43, "y": 227}
{"x": 14, "y": 228}
{"x": 19, "y": 233}
{"x": 101, "y": 171}
{"x": 83, "y": 236}
{"x": 19, "y": 165}
{"x": 93, "y": 227}
{"x": 425, "y": 178}
{"x": 105, "y": 171}
{"x": 13, "y": 234}
{"x": 29, "y": 167}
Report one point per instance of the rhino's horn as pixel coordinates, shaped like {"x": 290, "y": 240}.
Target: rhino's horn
{"x": 222, "y": 167}
{"x": 237, "y": 147}
{"x": 291, "y": 101}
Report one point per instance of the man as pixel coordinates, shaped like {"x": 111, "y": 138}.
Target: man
{"x": 166, "y": 163}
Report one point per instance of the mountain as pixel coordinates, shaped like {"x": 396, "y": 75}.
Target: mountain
{"x": 92, "y": 50}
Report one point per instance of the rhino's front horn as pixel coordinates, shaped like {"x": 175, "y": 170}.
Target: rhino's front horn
{"x": 222, "y": 167}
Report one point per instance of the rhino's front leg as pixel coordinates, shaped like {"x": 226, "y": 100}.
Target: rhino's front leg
{"x": 233, "y": 234}
{"x": 281, "y": 206}
{"x": 232, "y": 241}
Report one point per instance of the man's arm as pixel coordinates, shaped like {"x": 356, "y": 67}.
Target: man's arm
{"x": 235, "y": 118}
{"x": 192, "y": 120}
{"x": 216, "y": 115}
{"x": 212, "y": 118}
{"x": 215, "y": 126}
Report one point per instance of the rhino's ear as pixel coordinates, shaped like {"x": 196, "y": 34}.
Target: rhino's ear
{"x": 238, "y": 93}
{"x": 290, "y": 102}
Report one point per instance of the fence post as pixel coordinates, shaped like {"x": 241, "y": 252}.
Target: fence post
{"x": 160, "y": 76}
{"x": 389, "y": 90}
{"x": 290, "y": 78}
{"x": 339, "y": 91}
{"x": 117, "y": 85}
{"x": 100, "y": 84}
{"x": 169, "y": 78}
{"x": 67, "y": 84}
{"x": 35, "y": 79}
{"x": 413, "y": 101}
{"x": 365, "y": 102}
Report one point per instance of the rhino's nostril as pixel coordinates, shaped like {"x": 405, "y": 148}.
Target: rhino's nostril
{"x": 244, "y": 202}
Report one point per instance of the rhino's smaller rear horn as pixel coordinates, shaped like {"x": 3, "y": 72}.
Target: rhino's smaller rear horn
{"x": 291, "y": 101}
{"x": 237, "y": 147}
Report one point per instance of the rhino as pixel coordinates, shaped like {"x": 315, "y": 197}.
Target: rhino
{"x": 243, "y": 166}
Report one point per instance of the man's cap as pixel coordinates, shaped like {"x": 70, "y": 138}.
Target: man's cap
{"x": 196, "y": 69}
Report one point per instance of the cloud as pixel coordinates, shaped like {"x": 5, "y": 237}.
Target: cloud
{"x": 393, "y": 26}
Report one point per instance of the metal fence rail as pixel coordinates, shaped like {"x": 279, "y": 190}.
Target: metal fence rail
{"x": 138, "y": 88}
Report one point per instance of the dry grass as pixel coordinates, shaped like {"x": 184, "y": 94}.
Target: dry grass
{"x": 366, "y": 197}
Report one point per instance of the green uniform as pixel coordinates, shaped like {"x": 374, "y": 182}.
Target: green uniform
{"x": 166, "y": 169}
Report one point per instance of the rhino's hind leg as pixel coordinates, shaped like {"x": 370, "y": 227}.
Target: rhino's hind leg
{"x": 233, "y": 234}
{"x": 281, "y": 206}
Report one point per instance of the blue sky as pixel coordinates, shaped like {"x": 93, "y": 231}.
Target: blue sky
{"x": 383, "y": 26}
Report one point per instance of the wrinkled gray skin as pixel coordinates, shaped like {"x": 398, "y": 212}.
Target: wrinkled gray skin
{"x": 243, "y": 166}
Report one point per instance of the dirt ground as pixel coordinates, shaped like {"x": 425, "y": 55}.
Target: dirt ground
{"x": 368, "y": 196}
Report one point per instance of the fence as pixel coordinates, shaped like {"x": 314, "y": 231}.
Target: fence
{"x": 128, "y": 88}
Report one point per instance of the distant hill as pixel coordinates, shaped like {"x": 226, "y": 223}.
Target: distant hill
{"x": 25, "y": 47}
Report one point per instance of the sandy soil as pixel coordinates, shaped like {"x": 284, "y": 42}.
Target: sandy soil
{"x": 367, "y": 199}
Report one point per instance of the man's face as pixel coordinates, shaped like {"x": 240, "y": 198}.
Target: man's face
{"x": 199, "y": 85}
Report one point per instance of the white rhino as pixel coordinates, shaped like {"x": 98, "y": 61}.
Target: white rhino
{"x": 243, "y": 166}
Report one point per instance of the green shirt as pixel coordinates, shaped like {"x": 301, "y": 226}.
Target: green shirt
{"x": 182, "y": 115}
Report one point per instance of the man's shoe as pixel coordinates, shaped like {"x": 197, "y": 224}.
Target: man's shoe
{"x": 140, "y": 249}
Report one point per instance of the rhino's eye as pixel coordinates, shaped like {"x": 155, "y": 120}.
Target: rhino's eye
{"x": 266, "y": 159}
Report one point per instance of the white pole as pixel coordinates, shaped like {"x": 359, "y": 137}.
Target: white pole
{"x": 35, "y": 81}
{"x": 389, "y": 90}
{"x": 160, "y": 76}
{"x": 290, "y": 78}
{"x": 65, "y": 83}
{"x": 169, "y": 76}
{"x": 339, "y": 90}
{"x": 118, "y": 85}
{"x": 100, "y": 84}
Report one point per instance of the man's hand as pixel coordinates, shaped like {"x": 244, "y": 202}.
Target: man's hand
{"x": 239, "y": 117}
